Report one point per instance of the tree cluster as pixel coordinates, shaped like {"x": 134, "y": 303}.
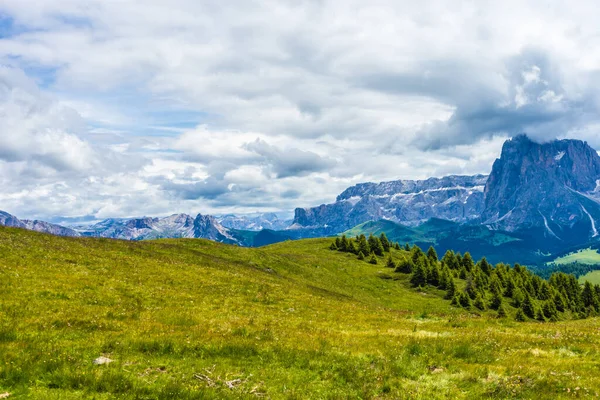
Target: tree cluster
{"x": 365, "y": 247}
{"x": 486, "y": 286}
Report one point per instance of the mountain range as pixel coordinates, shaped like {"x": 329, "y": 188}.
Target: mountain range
{"x": 544, "y": 197}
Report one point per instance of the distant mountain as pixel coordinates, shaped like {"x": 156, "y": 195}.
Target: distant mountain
{"x": 550, "y": 190}
{"x": 455, "y": 198}
{"x": 259, "y": 222}
{"x": 174, "y": 226}
{"x": 7, "y": 219}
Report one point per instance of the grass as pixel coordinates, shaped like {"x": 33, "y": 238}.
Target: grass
{"x": 593, "y": 277}
{"x": 585, "y": 256}
{"x": 194, "y": 319}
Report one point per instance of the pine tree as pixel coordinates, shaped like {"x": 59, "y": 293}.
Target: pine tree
{"x": 464, "y": 300}
{"x": 432, "y": 255}
{"x": 502, "y": 311}
{"x": 479, "y": 302}
{"x": 496, "y": 302}
{"x": 390, "y": 262}
{"x": 467, "y": 262}
{"x": 528, "y": 307}
{"x": 385, "y": 243}
{"x": 419, "y": 276}
{"x": 471, "y": 288}
{"x": 333, "y": 246}
{"x": 406, "y": 247}
{"x": 397, "y": 246}
{"x": 550, "y": 311}
{"x": 518, "y": 297}
{"x": 450, "y": 288}
{"x": 450, "y": 260}
{"x": 373, "y": 259}
{"x": 589, "y": 297}
{"x": 363, "y": 246}
{"x": 375, "y": 245}
{"x": 462, "y": 274}
{"x": 520, "y": 316}
{"x": 338, "y": 242}
{"x": 361, "y": 256}
{"x": 539, "y": 315}
{"x": 343, "y": 243}
{"x": 406, "y": 266}
{"x": 433, "y": 275}
{"x": 485, "y": 266}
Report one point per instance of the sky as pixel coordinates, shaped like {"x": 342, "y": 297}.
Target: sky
{"x": 122, "y": 108}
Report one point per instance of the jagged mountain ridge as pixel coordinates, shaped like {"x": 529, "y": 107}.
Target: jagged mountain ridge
{"x": 174, "y": 226}
{"x": 7, "y": 219}
{"x": 550, "y": 187}
{"x": 454, "y": 198}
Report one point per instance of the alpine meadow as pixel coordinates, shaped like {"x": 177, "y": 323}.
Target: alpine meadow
{"x": 314, "y": 199}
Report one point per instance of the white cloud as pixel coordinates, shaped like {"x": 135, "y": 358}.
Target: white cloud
{"x": 187, "y": 106}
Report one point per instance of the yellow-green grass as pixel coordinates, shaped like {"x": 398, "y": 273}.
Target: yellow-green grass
{"x": 592, "y": 277}
{"x": 197, "y": 319}
{"x": 585, "y": 256}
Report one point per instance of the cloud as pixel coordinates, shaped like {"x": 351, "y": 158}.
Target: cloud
{"x": 290, "y": 162}
{"x": 117, "y": 109}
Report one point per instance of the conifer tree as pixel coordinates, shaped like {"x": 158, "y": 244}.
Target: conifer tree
{"x": 450, "y": 288}
{"x": 385, "y": 243}
{"x": 333, "y": 246}
{"x": 432, "y": 255}
{"x": 406, "y": 247}
{"x": 464, "y": 300}
{"x": 520, "y": 316}
{"x": 390, "y": 262}
{"x": 343, "y": 243}
{"x": 518, "y": 297}
{"x": 363, "y": 246}
{"x": 373, "y": 259}
{"x": 375, "y": 245}
{"x": 467, "y": 262}
{"x": 361, "y": 255}
{"x": 485, "y": 266}
{"x": 479, "y": 302}
{"x": 450, "y": 260}
{"x": 502, "y": 311}
{"x": 550, "y": 311}
{"x": 406, "y": 266}
{"x": 589, "y": 297}
{"x": 419, "y": 276}
{"x": 397, "y": 246}
{"x": 528, "y": 307}
{"x": 496, "y": 302}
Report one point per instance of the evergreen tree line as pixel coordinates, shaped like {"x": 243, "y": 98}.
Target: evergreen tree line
{"x": 487, "y": 286}
{"x": 575, "y": 268}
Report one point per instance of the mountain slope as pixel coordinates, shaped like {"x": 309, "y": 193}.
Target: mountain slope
{"x": 192, "y": 319}
{"x": 550, "y": 189}
{"x": 7, "y": 219}
{"x": 455, "y": 198}
{"x": 479, "y": 240}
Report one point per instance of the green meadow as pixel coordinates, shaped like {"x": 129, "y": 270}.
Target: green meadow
{"x": 584, "y": 256}
{"x": 194, "y": 319}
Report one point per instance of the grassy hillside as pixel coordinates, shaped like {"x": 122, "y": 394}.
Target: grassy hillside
{"x": 584, "y": 256}
{"x": 592, "y": 277}
{"x": 196, "y": 319}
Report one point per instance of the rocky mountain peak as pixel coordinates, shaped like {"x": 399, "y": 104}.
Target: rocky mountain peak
{"x": 550, "y": 185}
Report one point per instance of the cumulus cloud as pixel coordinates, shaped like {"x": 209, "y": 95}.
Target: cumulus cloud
{"x": 112, "y": 108}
